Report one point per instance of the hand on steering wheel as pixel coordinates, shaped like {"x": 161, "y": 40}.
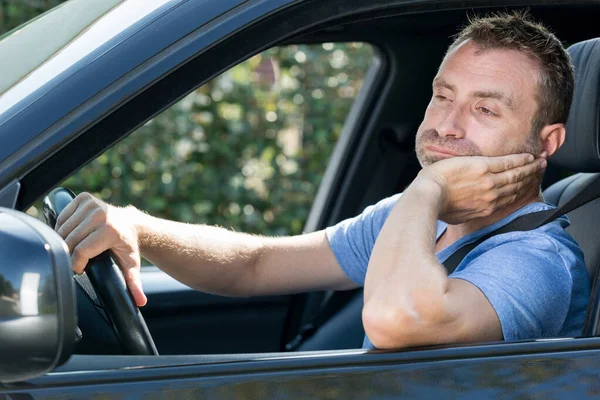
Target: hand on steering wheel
{"x": 83, "y": 224}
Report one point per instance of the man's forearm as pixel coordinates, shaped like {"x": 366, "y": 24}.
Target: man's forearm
{"x": 405, "y": 283}
{"x": 206, "y": 258}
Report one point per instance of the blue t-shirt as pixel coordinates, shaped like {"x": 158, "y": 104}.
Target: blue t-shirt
{"x": 536, "y": 280}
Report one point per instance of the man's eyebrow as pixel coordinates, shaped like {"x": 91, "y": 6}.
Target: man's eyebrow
{"x": 507, "y": 100}
{"x": 492, "y": 94}
{"x": 440, "y": 82}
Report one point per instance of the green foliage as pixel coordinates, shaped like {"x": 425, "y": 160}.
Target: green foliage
{"x": 239, "y": 152}
{"x": 246, "y": 151}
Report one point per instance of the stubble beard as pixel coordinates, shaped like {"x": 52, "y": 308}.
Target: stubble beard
{"x": 430, "y": 137}
{"x": 464, "y": 147}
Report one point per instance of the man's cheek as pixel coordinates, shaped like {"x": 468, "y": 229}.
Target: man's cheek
{"x": 432, "y": 117}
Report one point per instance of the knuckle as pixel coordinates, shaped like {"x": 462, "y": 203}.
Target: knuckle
{"x": 482, "y": 168}
{"x": 84, "y": 197}
{"x": 98, "y": 216}
{"x": 491, "y": 198}
{"x": 519, "y": 186}
{"x": 513, "y": 177}
{"x": 520, "y": 175}
{"x": 488, "y": 184}
{"x": 77, "y": 265}
{"x": 79, "y": 252}
{"x": 110, "y": 229}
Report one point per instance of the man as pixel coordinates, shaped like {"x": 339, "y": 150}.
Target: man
{"x": 499, "y": 106}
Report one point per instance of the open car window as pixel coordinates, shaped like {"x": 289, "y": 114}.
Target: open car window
{"x": 246, "y": 151}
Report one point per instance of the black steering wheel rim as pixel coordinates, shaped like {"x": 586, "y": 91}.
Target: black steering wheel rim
{"x": 108, "y": 282}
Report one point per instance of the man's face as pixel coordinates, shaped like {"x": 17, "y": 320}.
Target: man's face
{"x": 483, "y": 104}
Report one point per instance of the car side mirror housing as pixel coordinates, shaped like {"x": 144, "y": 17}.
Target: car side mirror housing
{"x": 37, "y": 298}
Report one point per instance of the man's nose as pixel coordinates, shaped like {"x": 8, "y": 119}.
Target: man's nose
{"x": 452, "y": 123}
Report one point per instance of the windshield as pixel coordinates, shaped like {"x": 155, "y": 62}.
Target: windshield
{"x": 28, "y": 46}
{"x": 41, "y": 49}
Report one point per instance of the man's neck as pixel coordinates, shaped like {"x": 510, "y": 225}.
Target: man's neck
{"x": 455, "y": 232}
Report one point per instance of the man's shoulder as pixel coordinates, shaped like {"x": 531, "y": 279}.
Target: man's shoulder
{"x": 551, "y": 236}
{"x": 551, "y": 240}
{"x": 545, "y": 245}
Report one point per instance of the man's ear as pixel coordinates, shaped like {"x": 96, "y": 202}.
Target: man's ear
{"x": 552, "y": 137}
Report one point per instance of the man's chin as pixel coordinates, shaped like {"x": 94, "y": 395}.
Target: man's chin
{"x": 426, "y": 160}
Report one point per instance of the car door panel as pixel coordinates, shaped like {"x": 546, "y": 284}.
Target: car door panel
{"x": 545, "y": 369}
{"x": 185, "y": 321}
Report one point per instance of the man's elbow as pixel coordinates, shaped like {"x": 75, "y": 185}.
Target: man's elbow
{"x": 390, "y": 327}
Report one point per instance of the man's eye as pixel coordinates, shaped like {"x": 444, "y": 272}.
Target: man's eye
{"x": 486, "y": 111}
{"x": 440, "y": 97}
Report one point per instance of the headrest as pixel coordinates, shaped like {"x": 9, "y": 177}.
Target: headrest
{"x": 580, "y": 152}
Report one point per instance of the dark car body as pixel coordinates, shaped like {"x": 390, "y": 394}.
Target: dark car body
{"x": 93, "y": 103}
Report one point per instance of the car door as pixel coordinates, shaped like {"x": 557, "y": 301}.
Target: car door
{"x": 103, "y": 97}
{"x": 558, "y": 369}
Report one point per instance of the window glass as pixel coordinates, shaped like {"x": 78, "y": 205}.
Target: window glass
{"x": 246, "y": 151}
{"x": 46, "y": 46}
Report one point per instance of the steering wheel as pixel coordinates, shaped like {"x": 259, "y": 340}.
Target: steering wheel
{"x": 108, "y": 282}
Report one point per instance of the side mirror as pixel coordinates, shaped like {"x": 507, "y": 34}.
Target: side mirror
{"x": 37, "y": 298}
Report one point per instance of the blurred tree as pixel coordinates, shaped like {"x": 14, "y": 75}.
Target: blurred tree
{"x": 240, "y": 151}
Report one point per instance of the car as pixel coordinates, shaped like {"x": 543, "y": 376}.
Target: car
{"x": 112, "y": 68}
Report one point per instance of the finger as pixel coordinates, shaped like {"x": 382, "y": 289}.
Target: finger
{"x": 520, "y": 173}
{"x": 505, "y": 200}
{"x": 129, "y": 263}
{"x": 81, "y": 231}
{"x": 515, "y": 188}
{"x": 504, "y": 163}
{"x": 509, "y": 193}
{"x": 68, "y": 211}
{"x": 88, "y": 248}
{"x": 134, "y": 283}
{"x": 75, "y": 219}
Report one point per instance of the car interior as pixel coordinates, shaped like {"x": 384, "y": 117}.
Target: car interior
{"x": 375, "y": 154}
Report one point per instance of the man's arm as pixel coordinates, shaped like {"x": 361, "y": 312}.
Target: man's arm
{"x": 216, "y": 260}
{"x": 206, "y": 258}
{"x": 409, "y": 299}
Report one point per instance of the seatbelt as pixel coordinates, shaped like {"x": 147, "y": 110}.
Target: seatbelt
{"x": 530, "y": 221}
{"x": 330, "y": 306}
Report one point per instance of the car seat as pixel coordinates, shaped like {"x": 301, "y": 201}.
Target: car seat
{"x": 580, "y": 153}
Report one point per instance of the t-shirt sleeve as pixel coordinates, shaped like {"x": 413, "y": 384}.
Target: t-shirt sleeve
{"x": 526, "y": 280}
{"x": 352, "y": 240}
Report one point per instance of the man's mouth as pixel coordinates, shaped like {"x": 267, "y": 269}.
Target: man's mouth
{"x": 441, "y": 151}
